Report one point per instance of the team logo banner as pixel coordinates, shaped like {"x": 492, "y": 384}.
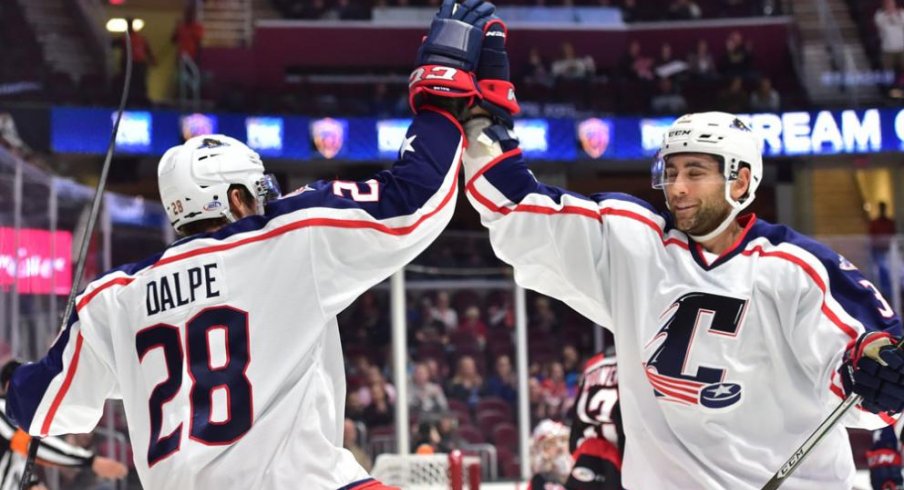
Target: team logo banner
{"x": 328, "y": 136}
{"x": 593, "y": 134}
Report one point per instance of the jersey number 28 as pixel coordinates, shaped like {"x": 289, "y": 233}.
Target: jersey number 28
{"x": 208, "y": 376}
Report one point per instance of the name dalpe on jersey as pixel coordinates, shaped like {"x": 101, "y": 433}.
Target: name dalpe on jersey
{"x": 181, "y": 287}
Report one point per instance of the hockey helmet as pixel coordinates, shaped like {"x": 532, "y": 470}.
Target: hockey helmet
{"x": 194, "y": 179}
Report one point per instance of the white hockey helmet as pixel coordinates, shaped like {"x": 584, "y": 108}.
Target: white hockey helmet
{"x": 194, "y": 179}
{"x": 724, "y": 136}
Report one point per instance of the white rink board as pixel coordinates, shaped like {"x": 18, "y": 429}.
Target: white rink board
{"x": 861, "y": 482}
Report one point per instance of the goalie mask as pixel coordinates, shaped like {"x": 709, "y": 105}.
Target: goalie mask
{"x": 195, "y": 177}
{"x": 723, "y": 136}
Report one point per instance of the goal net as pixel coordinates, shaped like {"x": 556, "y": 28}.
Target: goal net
{"x": 429, "y": 471}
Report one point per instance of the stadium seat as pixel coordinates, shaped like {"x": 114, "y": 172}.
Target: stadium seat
{"x": 471, "y": 434}
{"x": 490, "y": 419}
{"x": 494, "y": 403}
{"x": 505, "y": 435}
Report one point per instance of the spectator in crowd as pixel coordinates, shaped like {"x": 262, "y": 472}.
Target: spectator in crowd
{"x": 425, "y": 397}
{"x": 188, "y": 34}
{"x": 738, "y": 58}
{"x": 667, "y": 99}
{"x": 630, "y": 11}
{"x": 536, "y": 70}
{"x": 442, "y": 311}
{"x": 353, "y": 408}
{"x": 555, "y": 391}
{"x": 503, "y": 383}
{"x": 382, "y": 103}
{"x": 667, "y": 66}
{"x": 571, "y": 363}
{"x": 570, "y": 67}
{"x": 467, "y": 383}
{"x": 501, "y": 313}
{"x": 142, "y": 58}
{"x": 733, "y": 98}
{"x": 889, "y": 20}
{"x": 700, "y": 62}
{"x": 381, "y": 410}
{"x": 350, "y": 442}
{"x": 374, "y": 379}
{"x": 472, "y": 324}
{"x": 427, "y": 439}
{"x": 881, "y": 230}
{"x": 448, "y": 432}
{"x": 684, "y": 10}
{"x": 765, "y": 98}
{"x": 635, "y": 65}
{"x": 544, "y": 319}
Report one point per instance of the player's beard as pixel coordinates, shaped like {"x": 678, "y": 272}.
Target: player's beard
{"x": 710, "y": 214}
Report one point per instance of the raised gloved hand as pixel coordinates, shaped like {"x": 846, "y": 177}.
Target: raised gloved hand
{"x": 448, "y": 57}
{"x": 874, "y": 369}
{"x": 884, "y": 460}
{"x": 493, "y": 75}
{"x": 6, "y": 373}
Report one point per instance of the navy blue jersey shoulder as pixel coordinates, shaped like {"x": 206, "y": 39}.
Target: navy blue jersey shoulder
{"x": 846, "y": 284}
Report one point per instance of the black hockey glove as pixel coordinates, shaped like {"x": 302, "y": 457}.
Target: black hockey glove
{"x": 6, "y": 374}
{"x": 493, "y": 75}
{"x": 874, "y": 369}
{"x": 884, "y": 460}
{"x": 448, "y": 57}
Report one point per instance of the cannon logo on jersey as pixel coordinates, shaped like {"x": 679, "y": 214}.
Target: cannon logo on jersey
{"x": 667, "y": 367}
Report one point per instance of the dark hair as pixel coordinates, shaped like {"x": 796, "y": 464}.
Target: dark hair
{"x": 210, "y": 224}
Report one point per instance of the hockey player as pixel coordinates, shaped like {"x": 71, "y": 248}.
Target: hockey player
{"x": 596, "y": 436}
{"x": 735, "y": 337}
{"x": 224, "y": 347}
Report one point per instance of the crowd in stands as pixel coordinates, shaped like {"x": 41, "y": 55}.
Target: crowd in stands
{"x": 462, "y": 386}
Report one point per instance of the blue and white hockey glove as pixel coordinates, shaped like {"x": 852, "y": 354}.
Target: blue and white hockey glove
{"x": 874, "y": 369}
{"x": 448, "y": 57}
{"x": 493, "y": 75}
{"x": 884, "y": 460}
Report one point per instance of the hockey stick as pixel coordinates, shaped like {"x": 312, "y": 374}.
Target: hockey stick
{"x": 794, "y": 461}
{"x": 27, "y": 473}
{"x": 785, "y": 471}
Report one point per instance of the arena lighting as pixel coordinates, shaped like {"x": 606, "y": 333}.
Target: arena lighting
{"x": 119, "y": 24}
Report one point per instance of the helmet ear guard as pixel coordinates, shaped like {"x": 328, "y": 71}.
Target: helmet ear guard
{"x": 194, "y": 179}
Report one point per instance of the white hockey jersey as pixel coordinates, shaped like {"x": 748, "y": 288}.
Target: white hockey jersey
{"x": 51, "y": 451}
{"x": 725, "y": 364}
{"x": 225, "y": 348}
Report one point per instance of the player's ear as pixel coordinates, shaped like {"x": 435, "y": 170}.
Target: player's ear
{"x": 741, "y": 184}
{"x": 238, "y": 202}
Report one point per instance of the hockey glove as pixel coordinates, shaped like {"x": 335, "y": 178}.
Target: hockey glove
{"x": 6, "y": 374}
{"x": 884, "y": 460}
{"x": 493, "y": 76}
{"x": 874, "y": 369}
{"x": 448, "y": 56}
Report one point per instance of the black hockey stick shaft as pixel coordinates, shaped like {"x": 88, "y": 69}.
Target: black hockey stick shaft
{"x": 27, "y": 473}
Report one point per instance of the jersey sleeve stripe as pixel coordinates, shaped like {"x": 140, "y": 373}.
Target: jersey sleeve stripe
{"x": 119, "y": 281}
{"x": 847, "y": 329}
{"x": 70, "y": 374}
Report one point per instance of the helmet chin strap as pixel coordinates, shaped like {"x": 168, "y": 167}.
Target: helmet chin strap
{"x": 719, "y": 229}
{"x": 736, "y": 208}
